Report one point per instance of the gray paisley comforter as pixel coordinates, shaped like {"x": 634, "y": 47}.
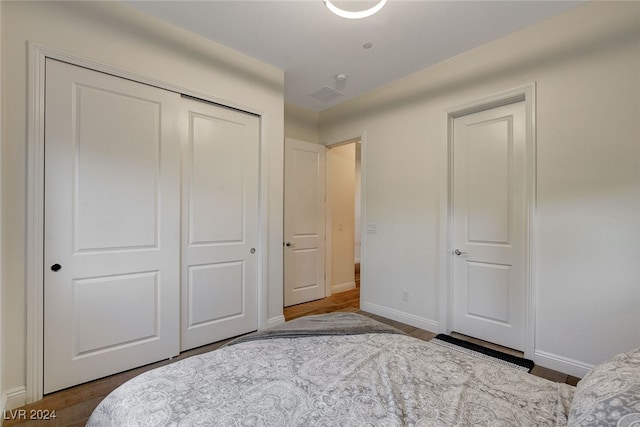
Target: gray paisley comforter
{"x": 361, "y": 379}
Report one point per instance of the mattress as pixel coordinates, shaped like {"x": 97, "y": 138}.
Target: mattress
{"x": 359, "y": 373}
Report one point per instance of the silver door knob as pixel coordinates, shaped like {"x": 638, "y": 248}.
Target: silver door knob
{"x": 458, "y": 252}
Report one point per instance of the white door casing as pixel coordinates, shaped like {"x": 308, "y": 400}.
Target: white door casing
{"x": 219, "y": 223}
{"x": 112, "y": 197}
{"x": 490, "y": 225}
{"x": 304, "y": 222}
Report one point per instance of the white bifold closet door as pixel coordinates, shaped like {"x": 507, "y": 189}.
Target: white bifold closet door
{"x": 219, "y": 223}
{"x": 112, "y": 225}
{"x": 118, "y": 155}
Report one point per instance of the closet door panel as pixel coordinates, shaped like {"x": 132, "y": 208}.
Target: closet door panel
{"x": 220, "y": 223}
{"x": 112, "y": 225}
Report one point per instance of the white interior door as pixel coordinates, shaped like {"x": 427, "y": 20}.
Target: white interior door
{"x": 111, "y": 250}
{"x": 304, "y": 222}
{"x": 220, "y": 223}
{"x": 489, "y": 219}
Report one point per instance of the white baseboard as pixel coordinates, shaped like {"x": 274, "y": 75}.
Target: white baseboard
{"x": 275, "y": 321}
{"x": 342, "y": 287}
{"x": 15, "y": 398}
{"x": 409, "y": 319}
{"x": 561, "y": 363}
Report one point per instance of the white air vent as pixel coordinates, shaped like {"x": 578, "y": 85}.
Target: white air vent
{"x": 326, "y": 94}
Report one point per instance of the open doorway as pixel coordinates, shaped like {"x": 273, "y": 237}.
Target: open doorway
{"x": 343, "y": 216}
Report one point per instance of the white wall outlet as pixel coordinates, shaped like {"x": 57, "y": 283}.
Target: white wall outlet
{"x": 371, "y": 229}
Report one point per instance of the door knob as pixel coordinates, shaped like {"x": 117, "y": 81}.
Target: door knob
{"x": 56, "y": 267}
{"x": 458, "y": 252}
{"x": 289, "y": 244}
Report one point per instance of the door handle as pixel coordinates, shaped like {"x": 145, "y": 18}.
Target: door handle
{"x": 56, "y": 267}
{"x": 289, "y": 245}
{"x": 458, "y": 252}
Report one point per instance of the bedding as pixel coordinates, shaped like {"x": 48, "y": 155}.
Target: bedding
{"x": 338, "y": 369}
{"x": 609, "y": 395}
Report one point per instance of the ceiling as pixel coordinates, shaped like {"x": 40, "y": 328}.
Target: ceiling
{"x": 312, "y": 46}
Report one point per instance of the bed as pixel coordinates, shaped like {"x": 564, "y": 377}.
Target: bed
{"x": 345, "y": 369}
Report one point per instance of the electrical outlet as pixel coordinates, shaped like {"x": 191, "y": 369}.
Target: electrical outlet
{"x": 405, "y": 295}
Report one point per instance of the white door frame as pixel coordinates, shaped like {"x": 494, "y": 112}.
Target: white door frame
{"x": 37, "y": 56}
{"x": 334, "y": 142}
{"x": 525, "y": 93}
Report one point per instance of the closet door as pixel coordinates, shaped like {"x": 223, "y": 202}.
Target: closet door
{"x": 220, "y": 223}
{"x": 112, "y": 225}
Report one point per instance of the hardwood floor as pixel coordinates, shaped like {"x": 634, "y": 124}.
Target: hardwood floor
{"x": 344, "y": 301}
{"x": 74, "y": 405}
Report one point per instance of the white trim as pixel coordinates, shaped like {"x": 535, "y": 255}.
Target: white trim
{"x": 342, "y": 287}
{"x": 345, "y": 139}
{"x": 525, "y": 93}
{"x": 363, "y": 217}
{"x": 401, "y": 316}
{"x": 263, "y": 227}
{"x": 37, "y": 56}
{"x": 561, "y": 364}
{"x": 35, "y": 224}
{"x": 532, "y": 218}
{"x": 3, "y": 397}
{"x": 275, "y": 321}
{"x": 328, "y": 235}
{"x": 15, "y": 398}
{"x": 446, "y": 268}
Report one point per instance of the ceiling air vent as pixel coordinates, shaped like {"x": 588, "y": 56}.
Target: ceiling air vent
{"x": 326, "y": 94}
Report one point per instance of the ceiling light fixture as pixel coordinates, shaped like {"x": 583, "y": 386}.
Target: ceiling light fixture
{"x": 354, "y": 14}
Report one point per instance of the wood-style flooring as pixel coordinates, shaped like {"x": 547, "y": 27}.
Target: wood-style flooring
{"x": 74, "y": 405}
{"x": 344, "y": 301}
